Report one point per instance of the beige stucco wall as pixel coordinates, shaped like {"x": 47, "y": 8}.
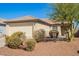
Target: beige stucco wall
{"x": 28, "y": 27}
{"x": 38, "y": 26}
{"x": 59, "y": 30}
{"x": 23, "y": 27}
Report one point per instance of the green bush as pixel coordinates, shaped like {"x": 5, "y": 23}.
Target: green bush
{"x": 30, "y": 43}
{"x": 17, "y": 34}
{"x": 21, "y": 35}
{"x": 39, "y": 35}
{"x": 15, "y": 40}
{"x": 53, "y": 33}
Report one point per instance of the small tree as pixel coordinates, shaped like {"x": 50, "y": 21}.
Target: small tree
{"x": 67, "y": 12}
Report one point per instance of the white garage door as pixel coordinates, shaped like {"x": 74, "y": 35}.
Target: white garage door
{"x": 27, "y": 29}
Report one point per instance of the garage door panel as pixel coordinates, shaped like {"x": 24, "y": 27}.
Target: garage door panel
{"x": 23, "y": 27}
{"x": 26, "y": 29}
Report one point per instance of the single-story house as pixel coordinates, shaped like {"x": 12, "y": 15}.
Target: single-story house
{"x": 28, "y": 25}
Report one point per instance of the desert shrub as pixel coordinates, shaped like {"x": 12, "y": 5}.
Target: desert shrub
{"x": 39, "y": 35}
{"x": 17, "y": 34}
{"x": 21, "y": 35}
{"x": 53, "y": 33}
{"x": 7, "y": 39}
{"x": 14, "y": 42}
{"x": 30, "y": 44}
{"x": 15, "y": 39}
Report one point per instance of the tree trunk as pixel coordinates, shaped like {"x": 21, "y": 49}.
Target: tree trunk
{"x": 71, "y": 36}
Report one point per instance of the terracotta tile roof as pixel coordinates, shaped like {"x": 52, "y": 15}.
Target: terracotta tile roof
{"x": 47, "y": 20}
{"x": 2, "y": 21}
{"x": 30, "y": 18}
{"x": 51, "y": 21}
{"x": 25, "y": 19}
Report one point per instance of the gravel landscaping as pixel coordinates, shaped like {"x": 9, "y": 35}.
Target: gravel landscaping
{"x": 49, "y": 48}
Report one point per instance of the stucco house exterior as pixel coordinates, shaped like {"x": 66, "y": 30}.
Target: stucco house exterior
{"x": 28, "y": 25}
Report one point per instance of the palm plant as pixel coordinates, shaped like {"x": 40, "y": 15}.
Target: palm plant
{"x": 67, "y": 12}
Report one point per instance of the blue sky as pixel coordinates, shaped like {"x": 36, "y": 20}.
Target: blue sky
{"x": 9, "y": 10}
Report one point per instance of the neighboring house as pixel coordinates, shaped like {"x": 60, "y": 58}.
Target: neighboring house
{"x": 2, "y": 27}
{"x": 28, "y": 25}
